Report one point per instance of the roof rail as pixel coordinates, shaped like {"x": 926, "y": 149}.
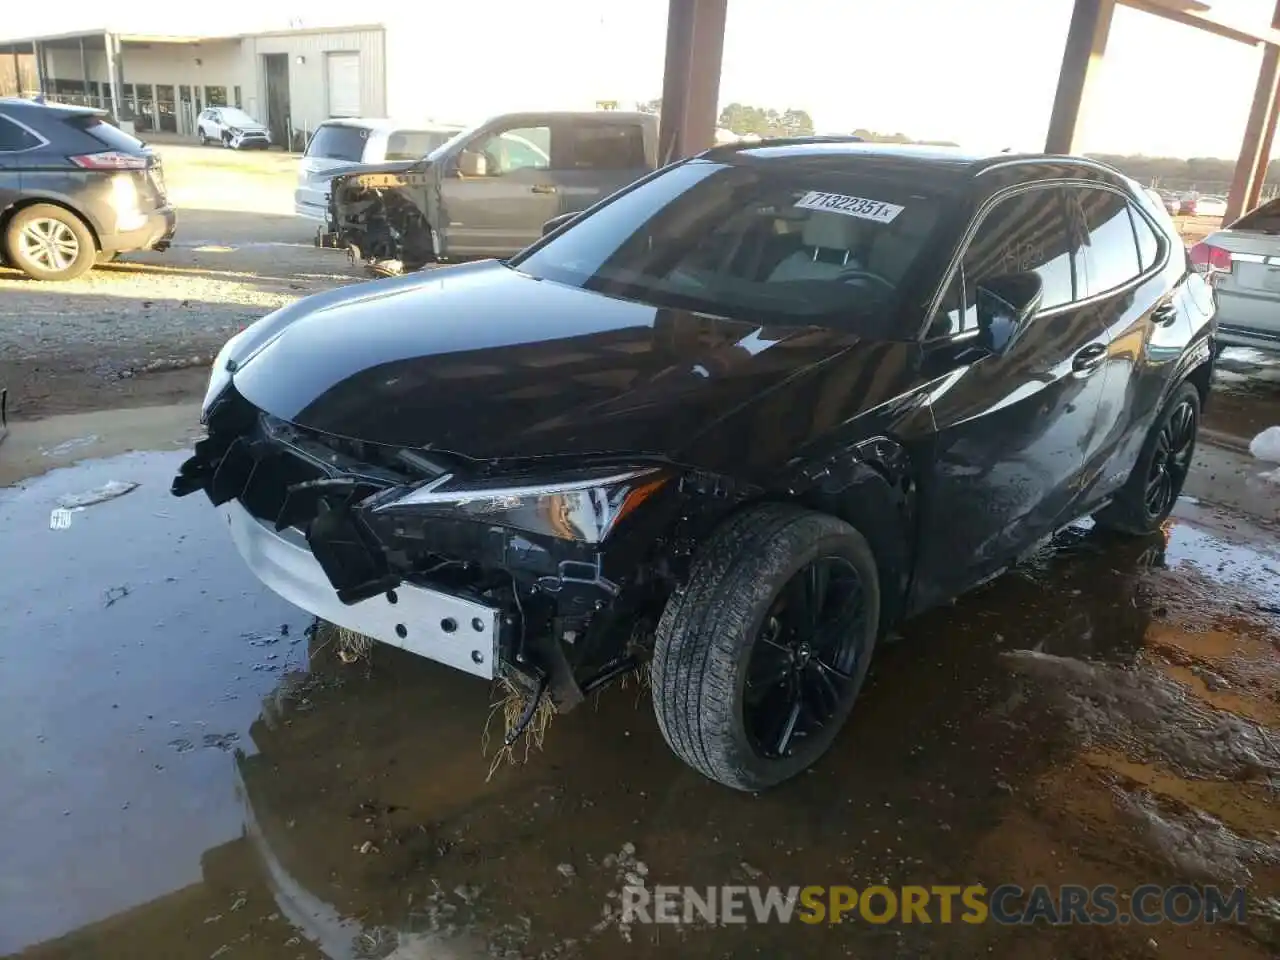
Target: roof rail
{"x": 785, "y": 142}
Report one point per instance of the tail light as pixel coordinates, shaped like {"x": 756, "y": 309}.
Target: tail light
{"x": 1206, "y": 258}
{"x": 110, "y": 160}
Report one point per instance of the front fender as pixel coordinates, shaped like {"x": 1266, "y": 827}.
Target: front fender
{"x": 872, "y": 485}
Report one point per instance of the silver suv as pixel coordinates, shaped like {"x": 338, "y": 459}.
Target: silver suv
{"x": 338, "y": 146}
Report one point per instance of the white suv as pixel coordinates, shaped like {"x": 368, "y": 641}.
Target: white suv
{"x": 339, "y": 145}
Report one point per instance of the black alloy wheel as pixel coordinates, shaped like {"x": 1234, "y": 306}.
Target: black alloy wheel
{"x": 805, "y": 656}
{"x": 1172, "y": 461}
{"x": 759, "y": 658}
{"x": 1148, "y": 497}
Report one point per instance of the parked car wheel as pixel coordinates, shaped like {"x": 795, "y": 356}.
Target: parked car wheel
{"x": 50, "y": 243}
{"x": 759, "y": 659}
{"x": 1149, "y": 495}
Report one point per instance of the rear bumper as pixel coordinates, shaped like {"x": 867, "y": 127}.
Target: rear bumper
{"x": 455, "y": 632}
{"x": 1248, "y": 319}
{"x": 156, "y": 234}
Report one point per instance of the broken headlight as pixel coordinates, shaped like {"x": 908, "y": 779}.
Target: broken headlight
{"x": 583, "y": 506}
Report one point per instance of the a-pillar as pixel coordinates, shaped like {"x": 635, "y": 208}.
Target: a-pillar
{"x": 1255, "y": 149}
{"x": 1081, "y": 58}
{"x": 691, "y": 77}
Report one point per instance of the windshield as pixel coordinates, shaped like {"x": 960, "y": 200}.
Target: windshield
{"x": 337, "y": 141}
{"x": 413, "y": 144}
{"x": 105, "y": 133}
{"x": 232, "y": 115}
{"x": 447, "y": 147}
{"x": 773, "y": 242}
{"x": 1263, "y": 219}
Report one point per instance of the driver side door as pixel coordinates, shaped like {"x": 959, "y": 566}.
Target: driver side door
{"x": 501, "y": 208}
{"x": 1011, "y": 428}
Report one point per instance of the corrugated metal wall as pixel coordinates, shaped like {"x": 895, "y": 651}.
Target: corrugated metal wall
{"x": 308, "y": 81}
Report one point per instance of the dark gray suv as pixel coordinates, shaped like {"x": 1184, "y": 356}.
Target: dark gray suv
{"x": 75, "y": 190}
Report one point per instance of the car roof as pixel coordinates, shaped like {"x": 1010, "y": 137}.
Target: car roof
{"x": 390, "y": 123}
{"x": 940, "y": 162}
{"x": 67, "y": 109}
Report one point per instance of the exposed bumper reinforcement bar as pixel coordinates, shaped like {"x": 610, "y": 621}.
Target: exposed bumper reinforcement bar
{"x": 450, "y": 630}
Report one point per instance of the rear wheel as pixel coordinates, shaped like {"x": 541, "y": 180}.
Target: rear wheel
{"x": 50, "y": 243}
{"x": 758, "y": 661}
{"x": 1150, "y": 493}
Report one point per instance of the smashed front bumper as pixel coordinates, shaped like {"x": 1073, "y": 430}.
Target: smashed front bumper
{"x": 307, "y": 512}
{"x": 451, "y": 630}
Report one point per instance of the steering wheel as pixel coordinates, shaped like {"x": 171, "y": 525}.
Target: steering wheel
{"x": 858, "y": 274}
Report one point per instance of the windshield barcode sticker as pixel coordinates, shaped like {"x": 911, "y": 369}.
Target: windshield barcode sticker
{"x": 859, "y": 207}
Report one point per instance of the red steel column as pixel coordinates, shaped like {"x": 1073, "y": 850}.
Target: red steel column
{"x": 1255, "y": 149}
{"x": 1086, "y": 43}
{"x": 691, "y": 77}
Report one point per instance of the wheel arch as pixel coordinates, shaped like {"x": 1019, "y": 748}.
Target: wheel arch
{"x": 7, "y": 215}
{"x": 872, "y": 486}
{"x": 1201, "y": 377}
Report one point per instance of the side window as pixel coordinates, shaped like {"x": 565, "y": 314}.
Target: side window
{"x": 1148, "y": 242}
{"x": 523, "y": 148}
{"x": 1110, "y": 250}
{"x": 1028, "y": 231}
{"x": 14, "y": 138}
{"x": 602, "y": 146}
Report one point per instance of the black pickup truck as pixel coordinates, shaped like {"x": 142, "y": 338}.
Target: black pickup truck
{"x": 488, "y": 191}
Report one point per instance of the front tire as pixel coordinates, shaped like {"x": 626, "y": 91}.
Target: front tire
{"x": 758, "y": 661}
{"x": 47, "y": 242}
{"x": 1148, "y": 497}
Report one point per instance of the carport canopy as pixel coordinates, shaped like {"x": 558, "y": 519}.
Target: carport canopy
{"x": 84, "y": 42}
{"x": 695, "y": 41}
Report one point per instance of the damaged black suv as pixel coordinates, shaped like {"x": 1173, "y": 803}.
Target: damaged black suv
{"x": 732, "y": 424}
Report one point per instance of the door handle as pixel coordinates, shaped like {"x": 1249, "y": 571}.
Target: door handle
{"x": 1165, "y": 314}
{"x": 1089, "y": 359}
{"x": 542, "y": 188}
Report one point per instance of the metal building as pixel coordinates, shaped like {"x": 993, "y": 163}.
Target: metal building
{"x": 291, "y": 80}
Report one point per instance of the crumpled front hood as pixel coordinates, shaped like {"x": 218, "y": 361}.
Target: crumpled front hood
{"x": 486, "y": 362}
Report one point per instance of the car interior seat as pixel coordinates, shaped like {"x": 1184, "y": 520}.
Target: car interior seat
{"x": 829, "y": 242}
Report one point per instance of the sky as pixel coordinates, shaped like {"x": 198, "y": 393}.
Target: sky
{"x": 980, "y": 72}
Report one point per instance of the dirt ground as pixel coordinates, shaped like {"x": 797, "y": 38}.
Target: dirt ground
{"x": 143, "y": 330}
{"x": 1109, "y": 713}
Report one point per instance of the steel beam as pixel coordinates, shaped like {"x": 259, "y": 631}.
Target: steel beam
{"x": 1201, "y": 16}
{"x": 114, "y": 72}
{"x": 1255, "y": 148}
{"x": 1082, "y": 55}
{"x": 691, "y": 77}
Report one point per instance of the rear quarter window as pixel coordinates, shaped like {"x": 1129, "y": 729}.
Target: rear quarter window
{"x": 14, "y": 138}
{"x": 338, "y": 142}
{"x": 1148, "y": 242}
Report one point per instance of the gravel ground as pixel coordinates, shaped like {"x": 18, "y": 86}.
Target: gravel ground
{"x": 143, "y": 329}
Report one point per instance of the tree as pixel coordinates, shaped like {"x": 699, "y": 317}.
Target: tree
{"x": 766, "y": 122}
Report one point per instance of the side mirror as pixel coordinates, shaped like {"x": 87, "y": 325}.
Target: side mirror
{"x": 1005, "y": 306}
{"x": 555, "y": 223}
{"x": 471, "y": 164}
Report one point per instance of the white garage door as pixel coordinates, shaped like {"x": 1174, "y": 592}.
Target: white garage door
{"x": 344, "y": 84}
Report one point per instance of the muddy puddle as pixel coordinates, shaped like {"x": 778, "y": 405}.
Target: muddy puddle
{"x": 191, "y": 768}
